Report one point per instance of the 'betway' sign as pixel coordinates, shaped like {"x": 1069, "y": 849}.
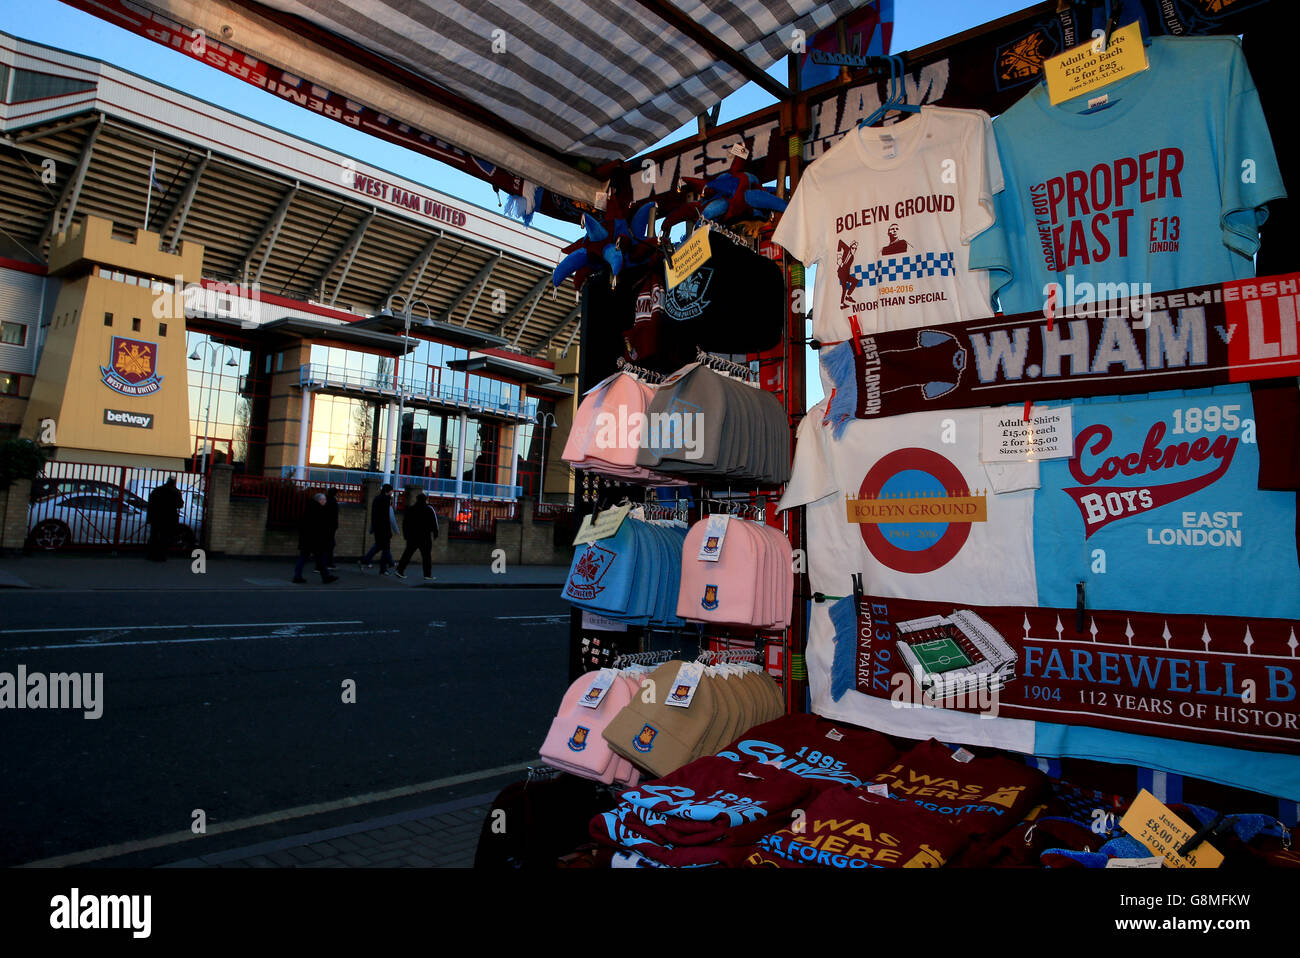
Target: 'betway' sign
{"x": 407, "y": 199}
{"x": 120, "y": 417}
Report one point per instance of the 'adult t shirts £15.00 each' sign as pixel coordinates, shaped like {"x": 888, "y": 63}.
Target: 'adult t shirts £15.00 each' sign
{"x": 1165, "y": 183}
{"x": 888, "y": 215}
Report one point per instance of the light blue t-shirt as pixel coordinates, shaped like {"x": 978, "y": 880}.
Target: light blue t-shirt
{"x": 1162, "y": 512}
{"x": 1164, "y": 184}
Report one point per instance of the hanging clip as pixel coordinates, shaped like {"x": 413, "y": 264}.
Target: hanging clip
{"x": 857, "y": 589}
{"x": 1080, "y": 606}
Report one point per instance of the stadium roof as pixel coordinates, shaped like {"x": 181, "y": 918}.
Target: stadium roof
{"x": 298, "y": 220}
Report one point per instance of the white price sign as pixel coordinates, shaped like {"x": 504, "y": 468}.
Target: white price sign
{"x": 1007, "y": 436}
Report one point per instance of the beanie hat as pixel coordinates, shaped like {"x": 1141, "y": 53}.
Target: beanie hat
{"x": 659, "y": 737}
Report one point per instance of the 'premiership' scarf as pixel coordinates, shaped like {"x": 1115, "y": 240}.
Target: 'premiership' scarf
{"x": 1189, "y": 338}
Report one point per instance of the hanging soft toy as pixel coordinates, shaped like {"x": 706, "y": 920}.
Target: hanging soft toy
{"x": 615, "y": 242}
{"x": 734, "y": 196}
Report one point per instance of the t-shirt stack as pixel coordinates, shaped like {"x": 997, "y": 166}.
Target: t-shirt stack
{"x": 743, "y": 577}
{"x": 708, "y": 813}
{"x": 632, "y": 575}
{"x": 704, "y": 424}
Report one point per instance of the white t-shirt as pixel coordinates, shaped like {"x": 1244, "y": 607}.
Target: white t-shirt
{"x": 888, "y": 216}
{"x": 945, "y": 527}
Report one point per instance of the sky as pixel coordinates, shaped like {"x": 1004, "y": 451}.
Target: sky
{"x": 917, "y": 22}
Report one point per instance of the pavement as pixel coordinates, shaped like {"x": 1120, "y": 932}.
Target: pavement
{"x": 117, "y": 572}
{"x": 437, "y": 825}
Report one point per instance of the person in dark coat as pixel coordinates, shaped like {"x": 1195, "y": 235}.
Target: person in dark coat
{"x": 420, "y": 528}
{"x": 331, "y": 525}
{"x": 163, "y": 516}
{"x": 382, "y": 525}
{"x": 312, "y": 539}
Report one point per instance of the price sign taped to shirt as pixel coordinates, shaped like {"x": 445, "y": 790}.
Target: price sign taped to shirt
{"x": 1159, "y": 829}
{"x": 1006, "y": 436}
{"x": 605, "y": 525}
{"x": 689, "y": 257}
{"x": 1087, "y": 68}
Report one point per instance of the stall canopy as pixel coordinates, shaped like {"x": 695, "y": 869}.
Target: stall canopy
{"x": 541, "y": 92}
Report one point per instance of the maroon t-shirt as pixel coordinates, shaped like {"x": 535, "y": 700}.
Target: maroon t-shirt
{"x": 826, "y": 753}
{"x": 851, "y": 828}
{"x": 688, "y": 817}
{"x": 986, "y": 796}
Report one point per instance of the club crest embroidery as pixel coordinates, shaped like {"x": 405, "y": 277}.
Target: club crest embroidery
{"x": 584, "y": 581}
{"x": 687, "y": 300}
{"x": 578, "y": 740}
{"x": 132, "y": 368}
{"x": 645, "y": 738}
{"x": 710, "y": 600}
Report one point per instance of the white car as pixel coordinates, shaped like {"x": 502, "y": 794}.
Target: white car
{"x": 87, "y": 518}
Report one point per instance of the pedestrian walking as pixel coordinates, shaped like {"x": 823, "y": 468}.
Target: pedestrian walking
{"x": 420, "y": 528}
{"x": 383, "y": 523}
{"x": 163, "y": 516}
{"x": 312, "y": 539}
{"x": 331, "y": 525}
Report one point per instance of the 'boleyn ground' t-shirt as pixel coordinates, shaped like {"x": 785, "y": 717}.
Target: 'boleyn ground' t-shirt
{"x": 888, "y": 215}
{"x": 927, "y": 519}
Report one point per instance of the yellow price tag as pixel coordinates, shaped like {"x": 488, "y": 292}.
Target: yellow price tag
{"x": 1159, "y": 829}
{"x": 689, "y": 257}
{"x": 603, "y": 527}
{"x": 1086, "y": 68}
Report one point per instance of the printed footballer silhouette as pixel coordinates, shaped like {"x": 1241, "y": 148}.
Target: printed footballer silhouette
{"x": 844, "y": 266}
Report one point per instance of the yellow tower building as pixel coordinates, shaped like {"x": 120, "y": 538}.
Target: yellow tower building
{"x": 112, "y": 375}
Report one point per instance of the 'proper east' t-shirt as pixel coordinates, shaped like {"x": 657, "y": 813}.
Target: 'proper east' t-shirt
{"x": 888, "y": 214}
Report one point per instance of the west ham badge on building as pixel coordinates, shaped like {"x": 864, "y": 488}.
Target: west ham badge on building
{"x": 133, "y": 367}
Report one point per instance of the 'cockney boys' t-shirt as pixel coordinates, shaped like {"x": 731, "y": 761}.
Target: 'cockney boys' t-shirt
{"x": 1165, "y": 184}
{"x": 888, "y": 215}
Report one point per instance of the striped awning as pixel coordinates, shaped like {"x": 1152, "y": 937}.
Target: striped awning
{"x": 591, "y": 79}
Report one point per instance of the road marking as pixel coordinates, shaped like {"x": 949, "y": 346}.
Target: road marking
{"x": 288, "y": 814}
{"x": 553, "y": 615}
{"x": 207, "y": 638}
{"x": 213, "y": 625}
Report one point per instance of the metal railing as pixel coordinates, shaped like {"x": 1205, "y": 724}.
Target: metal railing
{"x": 322, "y": 375}
{"x": 433, "y": 487}
{"x": 473, "y": 520}
{"x": 81, "y": 504}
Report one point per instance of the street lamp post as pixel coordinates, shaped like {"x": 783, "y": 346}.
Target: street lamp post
{"x": 213, "y": 350}
{"x": 541, "y": 419}
{"x": 395, "y": 466}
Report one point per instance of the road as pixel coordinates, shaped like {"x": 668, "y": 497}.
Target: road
{"x": 232, "y": 701}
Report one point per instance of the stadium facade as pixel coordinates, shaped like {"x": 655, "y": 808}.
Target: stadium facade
{"x": 181, "y": 286}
